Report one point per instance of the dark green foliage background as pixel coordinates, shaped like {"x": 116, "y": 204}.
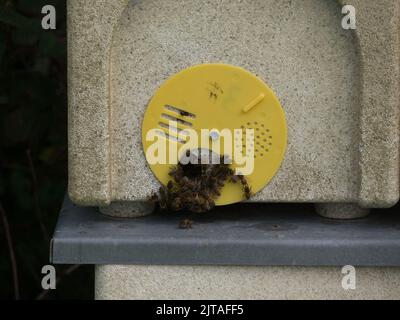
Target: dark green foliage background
{"x": 33, "y": 147}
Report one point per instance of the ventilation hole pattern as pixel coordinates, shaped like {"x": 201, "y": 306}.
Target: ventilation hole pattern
{"x": 263, "y": 139}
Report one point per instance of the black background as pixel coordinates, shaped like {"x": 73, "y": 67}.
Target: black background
{"x": 33, "y": 150}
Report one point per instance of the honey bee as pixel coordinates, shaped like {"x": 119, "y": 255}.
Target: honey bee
{"x": 247, "y": 192}
{"x": 195, "y": 187}
{"x": 154, "y": 198}
{"x": 235, "y": 179}
{"x": 185, "y": 224}
{"x": 163, "y": 198}
{"x": 176, "y": 204}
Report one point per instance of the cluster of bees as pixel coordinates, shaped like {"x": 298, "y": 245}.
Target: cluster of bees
{"x": 195, "y": 187}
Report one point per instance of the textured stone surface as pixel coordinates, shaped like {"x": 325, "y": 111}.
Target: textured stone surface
{"x": 128, "y": 209}
{"x": 232, "y": 282}
{"x": 341, "y": 210}
{"x": 378, "y": 33}
{"x": 90, "y": 32}
{"x": 339, "y": 94}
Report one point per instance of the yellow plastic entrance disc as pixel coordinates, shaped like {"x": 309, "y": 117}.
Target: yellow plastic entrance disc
{"x": 222, "y": 108}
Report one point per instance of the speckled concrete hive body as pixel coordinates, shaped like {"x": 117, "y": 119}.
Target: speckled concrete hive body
{"x": 339, "y": 89}
{"x": 234, "y": 282}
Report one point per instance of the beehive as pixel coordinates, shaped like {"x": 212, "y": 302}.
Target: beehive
{"x": 338, "y": 89}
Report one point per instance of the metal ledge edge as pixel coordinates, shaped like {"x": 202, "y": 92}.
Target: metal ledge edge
{"x": 244, "y": 234}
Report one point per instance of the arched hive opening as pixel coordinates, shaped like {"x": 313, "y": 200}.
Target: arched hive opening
{"x": 298, "y": 47}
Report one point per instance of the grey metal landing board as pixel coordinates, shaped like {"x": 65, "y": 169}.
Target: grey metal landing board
{"x": 244, "y": 234}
